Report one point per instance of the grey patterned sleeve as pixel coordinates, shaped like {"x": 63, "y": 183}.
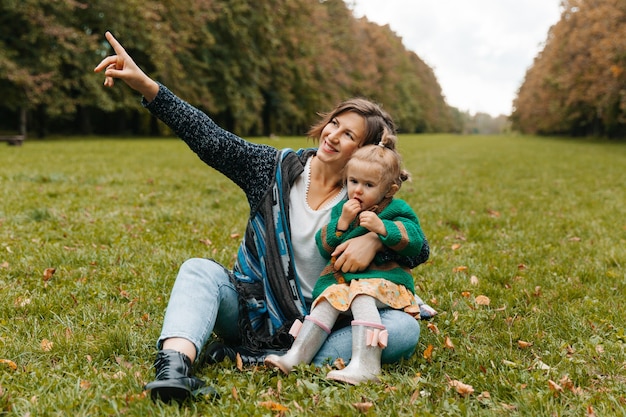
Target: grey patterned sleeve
{"x": 250, "y": 166}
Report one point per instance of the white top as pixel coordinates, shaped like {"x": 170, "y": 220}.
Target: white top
{"x": 305, "y": 222}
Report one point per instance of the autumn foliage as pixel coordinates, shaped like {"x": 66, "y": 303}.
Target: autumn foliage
{"x": 577, "y": 84}
{"x": 257, "y": 67}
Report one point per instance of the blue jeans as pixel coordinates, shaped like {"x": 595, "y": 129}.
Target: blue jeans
{"x": 203, "y": 301}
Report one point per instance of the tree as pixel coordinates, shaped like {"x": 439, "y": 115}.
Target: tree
{"x": 256, "y": 67}
{"x": 577, "y": 84}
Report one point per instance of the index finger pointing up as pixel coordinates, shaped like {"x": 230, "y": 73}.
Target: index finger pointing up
{"x": 117, "y": 47}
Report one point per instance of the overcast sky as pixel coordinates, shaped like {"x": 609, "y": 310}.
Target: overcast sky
{"x": 479, "y": 49}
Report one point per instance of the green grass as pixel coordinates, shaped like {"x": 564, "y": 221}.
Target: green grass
{"x": 539, "y": 225}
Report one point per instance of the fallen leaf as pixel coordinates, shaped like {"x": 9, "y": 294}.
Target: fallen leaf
{"x": 448, "y": 343}
{"x": 428, "y": 352}
{"x": 460, "y": 268}
{"x": 206, "y": 242}
{"x": 485, "y": 395}
{"x": 556, "y": 388}
{"x": 47, "y": 273}
{"x": 363, "y": 407}
{"x": 239, "y": 362}
{"x": 339, "y": 363}
{"x": 455, "y": 246}
{"x": 234, "y": 393}
{"x": 46, "y": 345}
{"x": 273, "y": 406}
{"x": 414, "y": 396}
{"x": 433, "y": 328}
{"x": 463, "y": 389}
{"x": 85, "y": 384}
{"x": 22, "y": 302}
{"x": 4, "y": 265}
{"x": 466, "y": 294}
{"x": 509, "y": 363}
{"x": 493, "y": 213}
{"x": 9, "y": 363}
{"x": 541, "y": 365}
{"x": 482, "y": 300}
{"x": 524, "y": 345}
{"x": 590, "y": 412}
{"x": 522, "y": 267}
{"x": 474, "y": 280}
{"x": 235, "y": 235}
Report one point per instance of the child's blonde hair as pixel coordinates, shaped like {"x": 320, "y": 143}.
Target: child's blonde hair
{"x": 385, "y": 155}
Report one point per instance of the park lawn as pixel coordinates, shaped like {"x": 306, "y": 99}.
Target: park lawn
{"x": 527, "y": 271}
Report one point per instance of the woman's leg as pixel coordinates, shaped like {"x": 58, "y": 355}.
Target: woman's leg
{"x": 404, "y": 333}
{"x": 203, "y": 300}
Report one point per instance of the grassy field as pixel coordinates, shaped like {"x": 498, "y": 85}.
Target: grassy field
{"x": 527, "y": 270}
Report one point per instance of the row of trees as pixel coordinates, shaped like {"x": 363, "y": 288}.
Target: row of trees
{"x": 577, "y": 84}
{"x": 257, "y": 67}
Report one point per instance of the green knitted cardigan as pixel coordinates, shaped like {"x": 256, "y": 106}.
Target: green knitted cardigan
{"x": 404, "y": 237}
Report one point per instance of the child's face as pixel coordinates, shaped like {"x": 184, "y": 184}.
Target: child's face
{"x": 365, "y": 184}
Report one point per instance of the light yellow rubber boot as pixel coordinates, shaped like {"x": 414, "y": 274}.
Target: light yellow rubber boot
{"x": 368, "y": 342}
{"x": 308, "y": 340}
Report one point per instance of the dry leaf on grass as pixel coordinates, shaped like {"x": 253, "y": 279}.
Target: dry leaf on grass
{"x": 463, "y": 389}
{"x": 46, "y": 345}
{"x": 47, "y": 273}
{"x": 339, "y": 363}
{"x": 363, "y": 407}
{"x": 428, "y": 352}
{"x": 448, "y": 343}
{"x": 482, "y": 300}
{"x": 461, "y": 268}
{"x": 523, "y": 345}
{"x": 273, "y": 406}
{"x": 239, "y": 362}
{"x": 9, "y": 363}
{"x": 433, "y": 328}
{"x": 556, "y": 388}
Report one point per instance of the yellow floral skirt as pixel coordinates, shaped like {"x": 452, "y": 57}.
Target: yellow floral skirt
{"x": 393, "y": 295}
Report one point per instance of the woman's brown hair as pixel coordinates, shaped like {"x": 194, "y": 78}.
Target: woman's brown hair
{"x": 376, "y": 120}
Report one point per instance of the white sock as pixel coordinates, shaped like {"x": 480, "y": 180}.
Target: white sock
{"x": 364, "y": 309}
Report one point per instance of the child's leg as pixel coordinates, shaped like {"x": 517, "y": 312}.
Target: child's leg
{"x": 369, "y": 337}
{"x": 308, "y": 339}
{"x": 365, "y": 308}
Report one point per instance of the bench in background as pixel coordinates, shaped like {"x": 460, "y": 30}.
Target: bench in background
{"x": 15, "y": 140}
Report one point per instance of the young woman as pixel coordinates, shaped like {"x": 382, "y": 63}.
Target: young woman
{"x": 373, "y": 176}
{"x": 290, "y": 194}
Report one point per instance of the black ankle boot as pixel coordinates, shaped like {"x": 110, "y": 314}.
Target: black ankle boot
{"x": 174, "y": 380}
{"x": 216, "y": 352}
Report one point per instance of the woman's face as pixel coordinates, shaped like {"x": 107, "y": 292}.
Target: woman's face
{"x": 341, "y": 137}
